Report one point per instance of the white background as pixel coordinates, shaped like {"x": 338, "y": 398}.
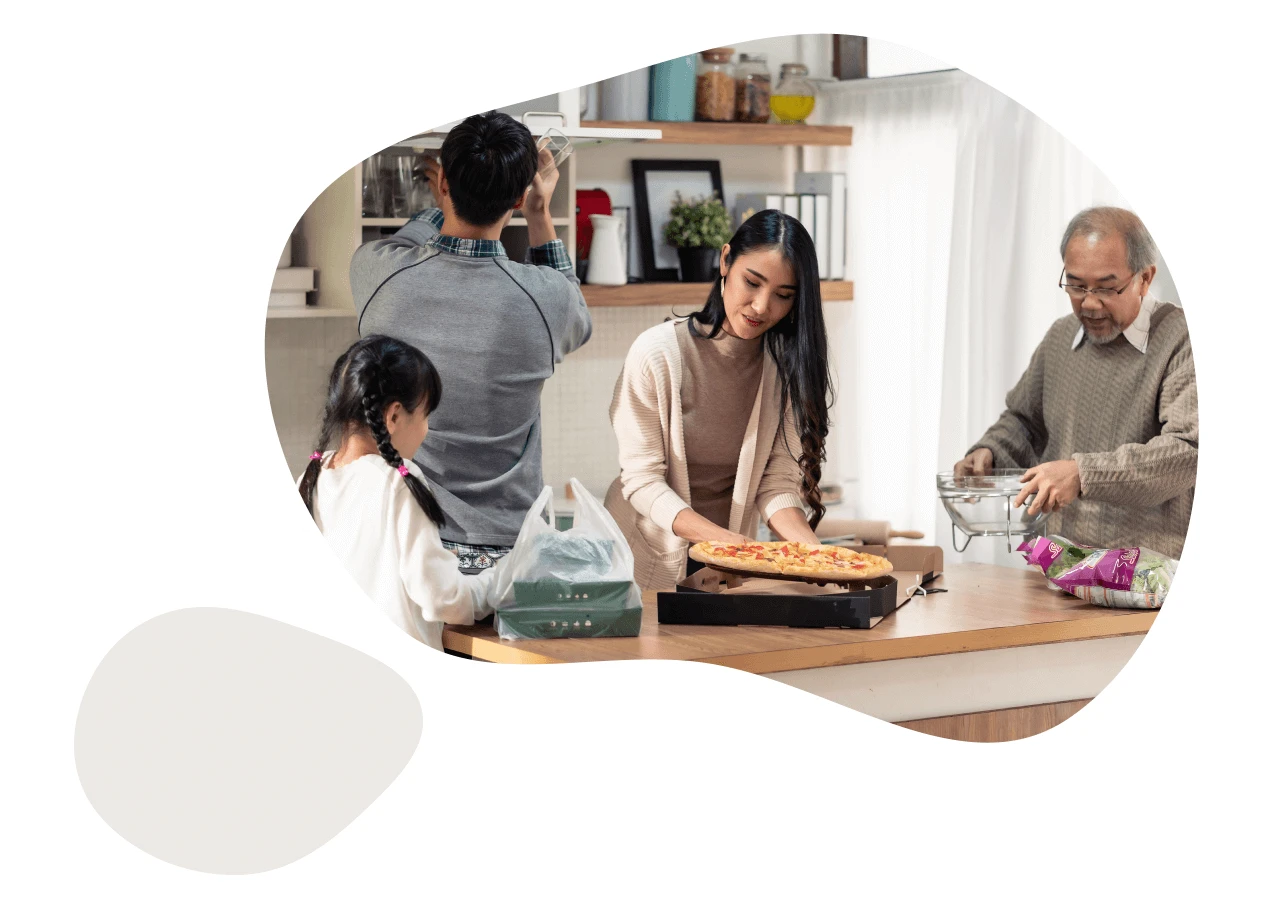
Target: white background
{"x": 155, "y": 159}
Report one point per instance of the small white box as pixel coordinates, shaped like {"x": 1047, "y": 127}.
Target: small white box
{"x": 294, "y": 279}
{"x": 287, "y": 300}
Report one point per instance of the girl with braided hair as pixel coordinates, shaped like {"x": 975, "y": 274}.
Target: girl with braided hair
{"x": 371, "y": 501}
{"x": 722, "y": 416}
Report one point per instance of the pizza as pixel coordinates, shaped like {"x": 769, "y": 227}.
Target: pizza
{"x": 792, "y": 559}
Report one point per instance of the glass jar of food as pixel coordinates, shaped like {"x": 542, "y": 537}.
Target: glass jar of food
{"x": 793, "y": 97}
{"x": 751, "y": 99}
{"x": 716, "y": 90}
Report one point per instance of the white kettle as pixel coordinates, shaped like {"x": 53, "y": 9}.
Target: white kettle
{"x": 607, "y": 260}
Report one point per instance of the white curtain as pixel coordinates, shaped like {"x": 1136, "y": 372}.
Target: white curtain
{"x": 958, "y": 198}
{"x": 886, "y": 348}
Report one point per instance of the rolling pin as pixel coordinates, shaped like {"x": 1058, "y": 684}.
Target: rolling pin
{"x": 871, "y": 532}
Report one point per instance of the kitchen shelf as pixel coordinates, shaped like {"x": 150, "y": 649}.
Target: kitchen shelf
{"x": 642, "y": 294}
{"x": 596, "y": 134}
{"x": 313, "y": 312}
{"x": 736, "y": 134}
{"x": 397, "y": 223}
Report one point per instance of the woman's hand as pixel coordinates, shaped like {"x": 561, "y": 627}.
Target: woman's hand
{"x": 693, "y": 527}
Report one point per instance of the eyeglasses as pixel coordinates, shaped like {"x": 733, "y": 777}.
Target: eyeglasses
{"x": 1080, "y": 292}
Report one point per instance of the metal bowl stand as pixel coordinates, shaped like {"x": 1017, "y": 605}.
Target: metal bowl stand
{"x": 969, "y": 537}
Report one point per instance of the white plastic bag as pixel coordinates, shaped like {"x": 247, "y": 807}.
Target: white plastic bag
{"x": 543, "y": 552}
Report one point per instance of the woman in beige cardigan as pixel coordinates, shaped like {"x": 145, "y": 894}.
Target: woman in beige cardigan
{"x": 721, "y": 417}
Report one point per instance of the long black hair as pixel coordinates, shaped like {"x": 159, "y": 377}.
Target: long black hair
{"x": 367, "y": 378}
{"x": 798, "y": 342}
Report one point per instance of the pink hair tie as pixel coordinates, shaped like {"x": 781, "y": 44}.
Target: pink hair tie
{"x": 317, "y": 455}
{"x": 402, "y": 469}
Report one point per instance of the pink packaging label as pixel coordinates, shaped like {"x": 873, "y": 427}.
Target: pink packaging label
{"x": 1041, "y": 551}
{"x": 1111, "y": 568}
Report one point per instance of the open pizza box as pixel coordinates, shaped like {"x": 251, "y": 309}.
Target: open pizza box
{"x": 914, "y": 566}
{"x": 716, "y": 597}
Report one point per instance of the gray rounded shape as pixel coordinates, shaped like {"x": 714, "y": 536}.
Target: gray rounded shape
{"x": 229, "y": 743}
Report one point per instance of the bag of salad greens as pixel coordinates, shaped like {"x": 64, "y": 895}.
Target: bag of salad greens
{"x": 1126, "y": 578}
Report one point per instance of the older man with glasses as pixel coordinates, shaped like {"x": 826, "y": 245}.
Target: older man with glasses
{"x": 1106, "y": 414}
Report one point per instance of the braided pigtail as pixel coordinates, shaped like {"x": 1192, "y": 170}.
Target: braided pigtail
{"x": 371, "y": 375}
{"x": 330, "y": 426}
{"x": 307, "y": 487}
{"x": 374, "y": 404}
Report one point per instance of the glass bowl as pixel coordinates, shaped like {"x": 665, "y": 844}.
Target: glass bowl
{"x": 981, "y": 506}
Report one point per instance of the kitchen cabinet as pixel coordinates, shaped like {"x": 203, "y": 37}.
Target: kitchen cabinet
{"x": 332, "y": 227}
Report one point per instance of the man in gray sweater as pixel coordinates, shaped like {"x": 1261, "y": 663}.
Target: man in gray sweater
{"x": 494, "y": 329}
{"x": 1106, "y": 415}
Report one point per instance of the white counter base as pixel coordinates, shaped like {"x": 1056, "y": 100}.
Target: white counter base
{"x": 934, "y": 686}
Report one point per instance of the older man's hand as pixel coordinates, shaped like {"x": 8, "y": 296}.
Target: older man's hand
{"x": 1054, "y": 485}
{"x": 978, "y": 463}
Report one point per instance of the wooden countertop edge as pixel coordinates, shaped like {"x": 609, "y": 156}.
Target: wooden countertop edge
{"x": 1049, "y": 632}
{"x": 487, "y": 650}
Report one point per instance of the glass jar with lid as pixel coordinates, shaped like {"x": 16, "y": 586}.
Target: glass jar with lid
{"x": 715, "y": 96}
{"x": 751, "y": 99}
{"x": 793, "y": 97}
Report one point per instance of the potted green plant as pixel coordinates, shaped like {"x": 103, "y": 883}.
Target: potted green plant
{"x": 697, "y": 230}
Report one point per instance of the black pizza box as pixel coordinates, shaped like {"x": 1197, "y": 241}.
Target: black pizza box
{"x": 717, "y": 597}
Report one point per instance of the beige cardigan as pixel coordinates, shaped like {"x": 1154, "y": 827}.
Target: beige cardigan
{"x": 653, "y": 486}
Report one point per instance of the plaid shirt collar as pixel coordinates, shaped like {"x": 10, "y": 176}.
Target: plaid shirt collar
{"x": 553, "y": 254}
{"x": 468, "y": 247}
{"x": 463, "y": 247}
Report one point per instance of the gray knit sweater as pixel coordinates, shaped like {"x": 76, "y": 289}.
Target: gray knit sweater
{"x": 1128, "y": 418}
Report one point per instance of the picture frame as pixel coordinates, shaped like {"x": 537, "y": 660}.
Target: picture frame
{"x": 656, "y": 183}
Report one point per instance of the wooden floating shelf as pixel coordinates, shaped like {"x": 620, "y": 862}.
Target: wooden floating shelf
{"x": 735, "y": 134}
{"x": 648, "y": 294}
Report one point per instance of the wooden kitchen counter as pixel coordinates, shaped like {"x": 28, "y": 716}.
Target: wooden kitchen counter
{"x": 985, "y": 607}
{"x": 998, "y": 656}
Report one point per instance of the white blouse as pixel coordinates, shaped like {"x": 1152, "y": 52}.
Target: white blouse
{"x": 389, "y": 545}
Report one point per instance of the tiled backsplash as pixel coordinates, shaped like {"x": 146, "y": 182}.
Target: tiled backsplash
{"x": 300, "y": 353}
{"x": 577, "y": 437}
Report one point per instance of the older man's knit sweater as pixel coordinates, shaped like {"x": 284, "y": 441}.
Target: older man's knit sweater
{"x": 1128, "y": 418}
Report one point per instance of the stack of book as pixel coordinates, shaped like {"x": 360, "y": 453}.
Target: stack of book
{"x": 820, "y": 203}
{"x": 291, "y": 283}
{"x": 290, "y": 286}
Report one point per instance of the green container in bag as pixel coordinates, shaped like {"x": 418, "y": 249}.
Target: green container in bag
{"x": 568, "y": 583}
